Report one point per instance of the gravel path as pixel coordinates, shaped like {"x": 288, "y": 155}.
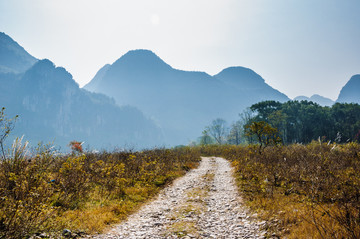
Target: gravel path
{"x": 202, "y": 204}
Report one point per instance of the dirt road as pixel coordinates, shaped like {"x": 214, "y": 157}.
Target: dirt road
{"x": 202, "y": 204}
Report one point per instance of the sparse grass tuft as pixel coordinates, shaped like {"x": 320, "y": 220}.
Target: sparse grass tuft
{"x": 183, "y": 228}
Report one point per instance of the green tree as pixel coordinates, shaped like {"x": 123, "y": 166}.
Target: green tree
{"x": 278, "y": 119}
{"x": 347, "y": 121}
{"x": 265, "y": 108}
{"x": 304, "y": 121}
{"x": 265, "y": 134}
{"x": 307, "y": 121}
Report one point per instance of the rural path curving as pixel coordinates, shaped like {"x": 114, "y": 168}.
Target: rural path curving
{"x": 202, "y": 204}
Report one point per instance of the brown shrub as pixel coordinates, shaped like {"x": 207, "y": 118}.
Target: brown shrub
{"x": 45, "y": 191}
{"x": 314, "y": 186}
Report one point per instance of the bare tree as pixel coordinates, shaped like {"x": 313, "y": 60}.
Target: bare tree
{"x": 206, "y": 138}
{"x": 218, "y": 130}
{"x": 247, "y": 117}
{"x": 6, "y": 126}
{"x": 236, "y": 133}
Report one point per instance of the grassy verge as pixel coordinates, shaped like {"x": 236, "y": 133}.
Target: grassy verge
{"x": 84, "y": 193}
{"x": 302, "y": 191}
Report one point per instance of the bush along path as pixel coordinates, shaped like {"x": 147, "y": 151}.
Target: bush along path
{"x": 203, "y": 204}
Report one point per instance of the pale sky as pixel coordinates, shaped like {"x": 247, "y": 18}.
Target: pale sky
{"x": 300, "y": 47}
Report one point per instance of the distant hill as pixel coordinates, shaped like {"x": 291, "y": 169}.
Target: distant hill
{"x": 302, "y": 98}
{"x": 350, "y": 93}
{"x": 13, "y": 58}
{"x": 181, "y": 102}
{"x": 52, "y": 108}
{"x": 98, "y": 77}
{"x": 323, "y": 101}
{"x": 250, "y": 84}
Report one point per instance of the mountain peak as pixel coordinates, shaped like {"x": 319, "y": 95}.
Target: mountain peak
{"x": 96, "y": 81}
{"x": 5, "y": 37}
{"x": 143, "y": 58}
{"x": 350, "y": 92}
{"x": 44, "y": 64}
{"x": 45, "y": 73}
{"x": 238, "y": 70}
{"x": 318, "y": 99}
{"x": 321, "y": 100}
{"x": 355, "y": 78}
{"x": 141, "y": 52}
{"x": 13, "y": 57}
{"x": 240, "y": 75}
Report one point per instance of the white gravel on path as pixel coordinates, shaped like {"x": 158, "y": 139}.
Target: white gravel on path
{"x": 202, "y": 204}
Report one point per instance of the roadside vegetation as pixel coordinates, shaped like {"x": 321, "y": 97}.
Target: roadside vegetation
{"x": 42, "y": 190}
{"x": 302, "y": 191}
{"x": 298, "y": 171}
{"x": 297, "y": 165}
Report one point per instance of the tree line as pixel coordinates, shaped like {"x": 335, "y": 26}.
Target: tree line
{"x": 272, "y": 122}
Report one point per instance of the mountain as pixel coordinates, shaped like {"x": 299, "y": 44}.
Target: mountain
{"x": 52, "y": 107}
{"x": 13, "y": 58}
{"x": 181, "y": 102}
{"x": 323, "y": 101}
{"x": 350, "y": 93}
{"x": 301, "y": 98}
{"x": 249, "y": 83}
{"x": 168, "y": 96}
{"x": 97, "y": 78}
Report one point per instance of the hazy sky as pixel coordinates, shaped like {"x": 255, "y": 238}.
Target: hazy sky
{"x": 300, "y": 47}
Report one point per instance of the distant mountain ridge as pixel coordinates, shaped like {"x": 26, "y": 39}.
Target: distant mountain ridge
{"x": 13, "y": 57}
{"x": 160, "y": 105}
{"x": 181, "y": 102}
{"x": 323, "y": 101}
{"x": 98, "y": 77}
{"x": 52, "y": 108}
{"x": 241, "y": 77}
{"x": 350, "y": 93}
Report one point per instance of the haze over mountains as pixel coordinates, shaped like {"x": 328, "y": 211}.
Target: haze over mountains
{"x": 323, "y": 101}
{"x": 153, "y": 104}
{"x": 13, "y": 58}
{"x": 181, "y": 102}
{"x": 52, "y": 107}
{"x": 351, "y": 91}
